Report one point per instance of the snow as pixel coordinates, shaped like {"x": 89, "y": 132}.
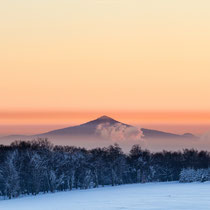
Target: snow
{"x": 158, "y": 196}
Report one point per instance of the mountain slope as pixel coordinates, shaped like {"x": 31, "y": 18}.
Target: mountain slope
{"x": 150, "y": 196}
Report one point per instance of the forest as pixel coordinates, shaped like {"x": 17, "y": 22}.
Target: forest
{"x": 33, "y": 167}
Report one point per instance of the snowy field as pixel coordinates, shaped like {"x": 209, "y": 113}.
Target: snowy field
{"x": 162, "y": 196}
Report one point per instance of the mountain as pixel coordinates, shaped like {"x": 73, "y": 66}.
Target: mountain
{"x": 106, "y": 128}
{"x": 88, "y": 128}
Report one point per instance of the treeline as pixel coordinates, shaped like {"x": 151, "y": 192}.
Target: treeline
{"x": 37, "y": 166}
{"x": 193, "y": 175}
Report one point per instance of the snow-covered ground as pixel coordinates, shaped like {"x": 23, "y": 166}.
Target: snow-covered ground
{"x": 162, "y": 196}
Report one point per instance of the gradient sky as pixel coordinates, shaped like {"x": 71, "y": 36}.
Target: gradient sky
{"x": 90, "y": 57}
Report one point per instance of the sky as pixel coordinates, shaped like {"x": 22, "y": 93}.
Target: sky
{"x": 68, "y": 61}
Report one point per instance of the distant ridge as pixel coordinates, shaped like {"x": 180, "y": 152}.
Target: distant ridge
{"x": 151, "y": 134}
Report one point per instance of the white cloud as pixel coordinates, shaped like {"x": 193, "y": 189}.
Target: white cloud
{"x": 118, "y": 132}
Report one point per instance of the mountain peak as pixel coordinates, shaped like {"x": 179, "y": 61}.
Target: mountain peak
{"x": 104, "y": 117}
{"x": 103, "y": 120}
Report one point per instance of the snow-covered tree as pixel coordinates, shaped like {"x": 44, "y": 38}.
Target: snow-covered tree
{"x": 9, "y": 176}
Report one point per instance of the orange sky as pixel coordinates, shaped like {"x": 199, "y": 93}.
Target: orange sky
{"x": 33, "y": 122}
{"x": 147, "y": 62}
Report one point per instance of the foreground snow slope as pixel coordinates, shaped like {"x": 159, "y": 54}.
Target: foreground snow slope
{"x": 162, "y": 196}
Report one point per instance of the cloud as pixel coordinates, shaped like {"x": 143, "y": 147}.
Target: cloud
{"x": 118, "y": 132}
